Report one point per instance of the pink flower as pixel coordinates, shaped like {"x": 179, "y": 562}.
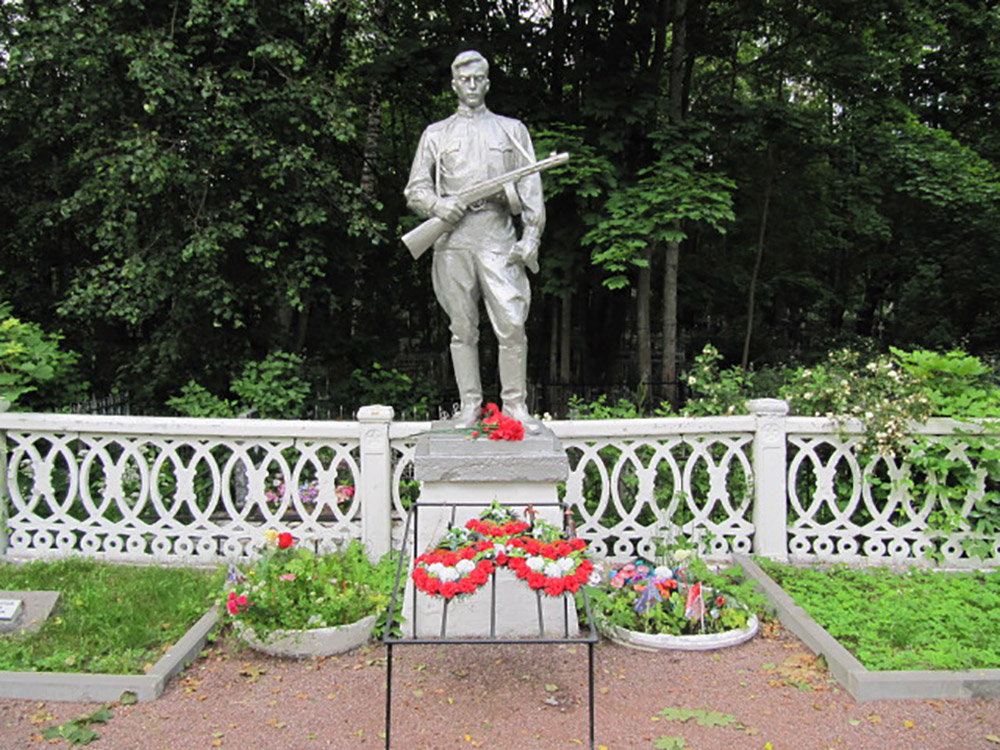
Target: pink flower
{"x": 287, "y": 577}
{"x": 236, "y": 604}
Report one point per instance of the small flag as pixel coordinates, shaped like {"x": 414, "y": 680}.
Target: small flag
{"x": 650, "y": 595}
{"x": 694, "y": 609}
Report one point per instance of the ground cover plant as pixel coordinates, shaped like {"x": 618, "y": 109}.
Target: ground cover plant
{"x": 112, "y": 619}
{"x": 892, "y": 620}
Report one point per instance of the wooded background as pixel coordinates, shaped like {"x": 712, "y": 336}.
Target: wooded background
{"x": 187, "y": 186}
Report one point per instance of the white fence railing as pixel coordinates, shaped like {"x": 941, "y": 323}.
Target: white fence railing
{"x": 188, "y": 490}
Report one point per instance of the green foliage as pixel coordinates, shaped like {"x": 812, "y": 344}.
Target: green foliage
{"x": 196, "y": 401}
{"x": 676, "y": 189}
{"x": 715, "y": 391}
{"x": 270, "y": 389}
{"x": 956, "y": 384}
{"x": 273, "y": 388}
{"x": 620, "y": 409}
{"x": 875, "y": 389}
{"x": 889, "y": 620}
{"x": 389, "y": 386}
{"x": 31, "y": 359}
{"x": 110, "y": 618}
{"x": 77, "y": 731}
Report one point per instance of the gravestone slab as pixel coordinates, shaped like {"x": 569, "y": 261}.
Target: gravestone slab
{"x": 35, "y": 608}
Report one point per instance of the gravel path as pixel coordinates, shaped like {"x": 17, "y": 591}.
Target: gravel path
{"x": 767, "y": 694}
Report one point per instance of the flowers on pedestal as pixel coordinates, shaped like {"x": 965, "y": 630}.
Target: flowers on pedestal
{"x": 536, "y": 553}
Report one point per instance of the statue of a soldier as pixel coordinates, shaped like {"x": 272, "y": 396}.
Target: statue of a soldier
{"x": 481, "y": 256}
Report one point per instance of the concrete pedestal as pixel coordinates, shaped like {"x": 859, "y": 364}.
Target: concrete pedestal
{"x": 467, "y": 475}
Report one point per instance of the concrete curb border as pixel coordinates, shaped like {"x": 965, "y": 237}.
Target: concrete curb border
{"x": 105, "y": 688}
{"x": 860, "y": 682}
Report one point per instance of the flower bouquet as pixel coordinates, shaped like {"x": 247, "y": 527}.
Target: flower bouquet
{"x": 639, "y": 601}
{"x": 290, "y": 594}
{"x": 496, "y": 425}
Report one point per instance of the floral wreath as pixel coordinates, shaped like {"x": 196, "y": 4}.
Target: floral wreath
{"x": 448, "y": 573}
{"x": 536, "y": 553}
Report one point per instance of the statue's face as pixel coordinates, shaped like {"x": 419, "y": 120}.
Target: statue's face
{"x": 471, "y": 84}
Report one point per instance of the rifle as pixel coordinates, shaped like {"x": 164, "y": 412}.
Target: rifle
{"x": 426, "y": 234}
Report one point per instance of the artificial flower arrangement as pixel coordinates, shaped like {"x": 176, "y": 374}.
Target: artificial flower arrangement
{"x": 679, "y": 595}
{"x": 291, "y": 588}
{"x": 538, "y": 553}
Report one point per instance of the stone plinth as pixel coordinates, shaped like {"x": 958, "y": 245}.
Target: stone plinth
{"x": 466, "y": 475}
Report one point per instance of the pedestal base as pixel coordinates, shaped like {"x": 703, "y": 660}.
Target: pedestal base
{"x": 461, "y": 477}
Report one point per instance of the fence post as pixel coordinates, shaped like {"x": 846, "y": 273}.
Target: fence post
{"x": 376, "y": 479}
{"x": 770, "y": 469}
{"x": 4, "y": 495}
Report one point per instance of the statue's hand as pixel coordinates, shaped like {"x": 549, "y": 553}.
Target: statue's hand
{"x": 450, "y": 208}
{"x": 526, "y": 253}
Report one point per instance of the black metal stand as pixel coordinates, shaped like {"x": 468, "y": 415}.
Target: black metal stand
{"x": 407, "y": 554}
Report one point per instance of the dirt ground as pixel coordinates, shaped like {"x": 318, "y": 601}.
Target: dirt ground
{"x": 768, "y": 694}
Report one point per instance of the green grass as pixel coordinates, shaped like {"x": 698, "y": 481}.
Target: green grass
{"x": 110, "y": 619}
{"x": 891, "y": 620}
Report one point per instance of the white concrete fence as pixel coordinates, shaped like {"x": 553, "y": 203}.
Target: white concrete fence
{"x": 201, "y": 491}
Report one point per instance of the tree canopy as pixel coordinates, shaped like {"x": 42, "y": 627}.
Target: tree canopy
{"x": 187, "y": 187}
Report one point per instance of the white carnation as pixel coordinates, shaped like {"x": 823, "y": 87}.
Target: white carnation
{"x": 465, "y": 567}
{"x": 535, "y": 563}
{"x": 663, "y": 571}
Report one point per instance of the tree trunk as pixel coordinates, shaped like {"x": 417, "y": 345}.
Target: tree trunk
{"x": 372, "y": 133}
{"x": 761, "y": 234}
{"x": 668, "y": 367}
{"x": 678, "y": 53}
{"x": 642, "y": 325}
{"x": 565, "y": 374}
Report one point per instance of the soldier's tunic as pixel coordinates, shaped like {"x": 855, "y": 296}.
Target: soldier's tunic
{"x": 471, "y": 261}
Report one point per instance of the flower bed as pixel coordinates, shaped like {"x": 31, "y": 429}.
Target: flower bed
{"x": 677, "y": 603}
{"x": 289, "y": 592}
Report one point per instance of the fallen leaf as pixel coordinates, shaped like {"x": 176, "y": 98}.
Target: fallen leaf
{"x": 907, "y": 724}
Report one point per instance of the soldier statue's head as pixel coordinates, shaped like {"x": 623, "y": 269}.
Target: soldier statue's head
{"x": 470, "y": 78}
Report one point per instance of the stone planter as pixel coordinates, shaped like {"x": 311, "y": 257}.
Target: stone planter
{"x": 306, "y": 644}
{"x": 706, "y": 642}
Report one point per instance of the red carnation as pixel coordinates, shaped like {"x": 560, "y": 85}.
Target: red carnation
{"x": 449, "y": 589}
{"x": 577, "y": 544}
{"x": 466, "y": 585}
{"x": 536, "y": 580}
{"x": 554, "y": 587}
{"x": 285, "y": 540}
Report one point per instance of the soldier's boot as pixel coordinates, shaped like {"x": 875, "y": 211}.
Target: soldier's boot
{"x": 465, "y": 360}
{"x": 513, "y": 361}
